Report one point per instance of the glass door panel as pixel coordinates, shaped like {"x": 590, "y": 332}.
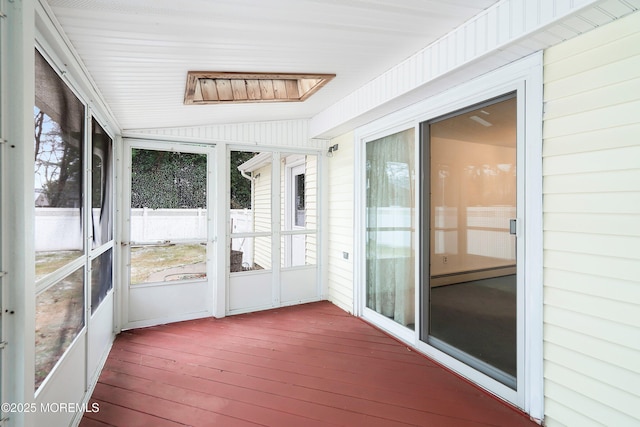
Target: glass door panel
{"x": 250, "y": 211}
{"x": 299, "y": 183}
{"x": 472, "y": 257}
{"x": 168, "y": 216}
{"x": 390, "y": 222}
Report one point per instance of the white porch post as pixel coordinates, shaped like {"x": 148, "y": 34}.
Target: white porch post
{"x": 18, "y": 258}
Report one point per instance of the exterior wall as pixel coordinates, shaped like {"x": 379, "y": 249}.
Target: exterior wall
{"x": 311, "y": 202}
{"x": 591, "y": 164}
{"x": 262, "y": 216}
{"x": 340, "y": 222}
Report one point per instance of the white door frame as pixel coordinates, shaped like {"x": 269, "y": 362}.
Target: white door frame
{"x": 191, "y": 300}
{"x": 524, "y": 77}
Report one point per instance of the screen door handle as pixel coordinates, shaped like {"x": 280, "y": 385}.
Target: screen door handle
{"x": 513, "y": 226}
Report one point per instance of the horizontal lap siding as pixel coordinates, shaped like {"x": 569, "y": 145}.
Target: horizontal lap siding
{"x": 340, "y": 222}
{"x": 262, "y": 216}
{"x": 592, "y": 228}
{"x": 311, "y": 205}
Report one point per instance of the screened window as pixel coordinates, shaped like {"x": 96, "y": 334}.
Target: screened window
{"x": 58, "y": 143}
{"x": 101, "y": 185}
{"x": 59, "y": 320}
{"x": 59, "y": 233}
{"x": 65, "y": 199}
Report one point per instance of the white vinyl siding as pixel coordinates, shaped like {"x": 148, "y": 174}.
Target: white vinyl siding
{"x": 311, "y": 204}
{"x": 340, "y": 222}
{"x": 262, "y": 216}
{"x": 591, "y": 167}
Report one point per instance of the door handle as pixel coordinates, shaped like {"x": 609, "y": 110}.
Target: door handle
{"x": 513, "y": 226}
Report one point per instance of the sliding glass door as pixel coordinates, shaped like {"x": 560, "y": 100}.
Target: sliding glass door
{"x": 469, "y": 268}
{"x": 449, "y": 230}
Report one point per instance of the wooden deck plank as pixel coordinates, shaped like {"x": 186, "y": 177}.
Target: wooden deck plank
{"x": 120, "y": 416}
{"x": 336, "y": 368}
{"x": 305, "y": 365}
{"x": 252, "y": 392}
{"x": 276, "y": 352}
{"x": 382, "y": 400}
{"x": 197, "y": 408}
{"x": 90, "y": 422}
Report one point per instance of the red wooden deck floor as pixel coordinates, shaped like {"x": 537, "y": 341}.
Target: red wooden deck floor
{"x": 308, "y": 365}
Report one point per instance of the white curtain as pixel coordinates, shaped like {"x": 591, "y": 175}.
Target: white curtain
{"x": 390, "y": 226}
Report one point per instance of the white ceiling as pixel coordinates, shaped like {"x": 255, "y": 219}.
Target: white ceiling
{"x": 138, "y": 52}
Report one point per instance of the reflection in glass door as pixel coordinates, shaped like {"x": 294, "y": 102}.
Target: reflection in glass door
{"x": 471, "y": 297}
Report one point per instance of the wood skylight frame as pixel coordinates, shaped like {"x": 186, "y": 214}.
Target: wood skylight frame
{"x": 206, "y": 87}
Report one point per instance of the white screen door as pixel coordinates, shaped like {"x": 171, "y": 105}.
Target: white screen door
{"x": 169, "y": 233}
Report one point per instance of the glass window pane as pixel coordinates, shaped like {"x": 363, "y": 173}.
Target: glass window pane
{"x": 305, "y": 252}
{"x": 261, "y": 199}
{"x": 299, "y": 205}
{"x": 250, "y": 210}
{"x": 101, "y": 185}
{"x": 101, "y": 278}
{"x": 390, "y": 216}
{"x": 298, "y": 186}
{"x": 168, "y": 262}
{"x": 250, "y": 253}
{"x": 58, "y": 169}
{"x": 240, "y": 184}
{"x": 168, "y": 216}
{"x": 59, "y": 319}
{"x": 472, "y": 292}
{"x": 168, "y": 179}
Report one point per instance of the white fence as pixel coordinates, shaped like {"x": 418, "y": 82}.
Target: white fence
{"x": 59, "y": 229}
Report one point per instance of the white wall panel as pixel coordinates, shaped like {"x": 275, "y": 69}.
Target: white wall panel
{"x": 284, "y": 133}
{"x": 340, "y": 222}
{"x": 591, "y": 172}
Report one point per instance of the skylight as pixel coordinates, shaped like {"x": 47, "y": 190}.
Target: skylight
{"x": 204, "y": 87}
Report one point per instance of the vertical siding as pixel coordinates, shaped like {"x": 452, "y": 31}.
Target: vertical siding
{"x": 592, "y": 228}
{"x": 340, "y": 222}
